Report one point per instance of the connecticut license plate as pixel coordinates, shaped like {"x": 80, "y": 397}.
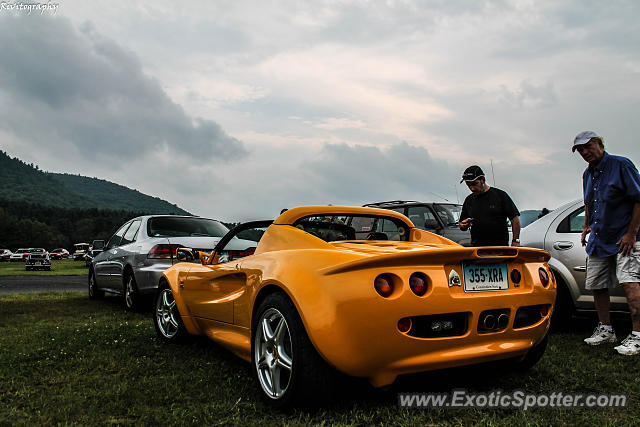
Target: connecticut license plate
{"x": 485, "y": 277}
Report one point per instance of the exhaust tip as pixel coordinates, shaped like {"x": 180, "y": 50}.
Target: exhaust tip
{"x": 489, "y": 322}
{"x": 503, "y": 321}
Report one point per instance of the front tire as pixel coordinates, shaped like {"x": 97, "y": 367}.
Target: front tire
{"x": 289, "y": 370}
{"x": 563, "y": 309}
{"x": 166, "y": 317}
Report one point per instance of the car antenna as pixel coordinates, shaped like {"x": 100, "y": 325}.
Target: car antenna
{"x": 492, "y": 174}
{"x": 437, "y": 195}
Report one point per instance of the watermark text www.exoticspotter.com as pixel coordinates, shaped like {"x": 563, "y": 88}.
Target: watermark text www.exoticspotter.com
{"x": 512, "y": 399}
{"x": 28, "y": 8}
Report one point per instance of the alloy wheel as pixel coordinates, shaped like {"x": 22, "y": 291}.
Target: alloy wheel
{"x": 166, "y": 314}
{"x": 273, "y": 353}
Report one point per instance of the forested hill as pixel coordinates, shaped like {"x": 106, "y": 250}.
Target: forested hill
{"x": 23, "y": 182}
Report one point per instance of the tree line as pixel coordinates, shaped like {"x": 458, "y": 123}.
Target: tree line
{"x": 24, "y": 224}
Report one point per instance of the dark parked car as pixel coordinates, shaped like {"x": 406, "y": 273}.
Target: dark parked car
{"x": 438, "y": 218}
{"x": 37, "y": 260}
{"x": 135, "y": 257}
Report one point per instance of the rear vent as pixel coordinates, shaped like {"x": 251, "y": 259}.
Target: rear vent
{"x": 530, "y": 315}
{"x": 439, "y": 325}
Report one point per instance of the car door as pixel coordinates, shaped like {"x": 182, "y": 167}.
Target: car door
{"x": 213, "y": 290}
{"x": 106, "y": 272}
{"x": 563, "y": 243}
{"x": 124, "y": 252}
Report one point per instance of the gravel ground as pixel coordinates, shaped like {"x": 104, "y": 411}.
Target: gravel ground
{"x": 21, "y": 284}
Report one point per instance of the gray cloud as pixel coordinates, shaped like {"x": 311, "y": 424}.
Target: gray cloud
{"x": 352, "y": 174}
{"x": 80, "y": 89}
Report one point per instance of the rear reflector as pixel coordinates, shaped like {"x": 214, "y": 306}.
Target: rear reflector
{"x": 404, "y": 324}
{"x": 544, "y": 277}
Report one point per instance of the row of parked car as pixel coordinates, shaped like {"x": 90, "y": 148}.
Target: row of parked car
{"x": 133, "y": 259}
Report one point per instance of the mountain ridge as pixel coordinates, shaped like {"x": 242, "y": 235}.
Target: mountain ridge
{"x": 24, "y": 182}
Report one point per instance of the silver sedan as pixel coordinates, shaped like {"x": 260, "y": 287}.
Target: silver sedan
{"x": 559, "y": 233}
{"x": 136, "y": 255}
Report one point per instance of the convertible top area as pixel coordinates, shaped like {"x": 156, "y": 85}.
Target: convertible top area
{"x": 292, "y": 215}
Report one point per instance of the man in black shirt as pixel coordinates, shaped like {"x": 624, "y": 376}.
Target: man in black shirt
{"x": 486, "y": 210}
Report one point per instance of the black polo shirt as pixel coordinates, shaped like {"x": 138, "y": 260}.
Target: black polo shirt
{"x": 489, "y": 211}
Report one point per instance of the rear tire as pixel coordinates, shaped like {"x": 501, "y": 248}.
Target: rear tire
{"x": 286, "y": 365}
{"x": 533, "y": 356}
{"x": 166, "y": 317}
{"x": 130, "y": 294}
{"x": 94, "y": 292}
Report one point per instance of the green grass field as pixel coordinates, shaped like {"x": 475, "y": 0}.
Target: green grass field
{"x": 59, "y": 267}
{"x": 67, "y": 360}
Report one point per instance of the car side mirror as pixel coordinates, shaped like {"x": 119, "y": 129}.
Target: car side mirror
{"x": 187, "y": 255}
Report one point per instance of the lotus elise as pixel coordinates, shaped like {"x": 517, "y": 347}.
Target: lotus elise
{"x": 309, "y": 299}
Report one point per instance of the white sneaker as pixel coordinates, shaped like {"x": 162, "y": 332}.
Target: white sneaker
{"x": 601, "y": 336}
{"x": 629, "y": 346}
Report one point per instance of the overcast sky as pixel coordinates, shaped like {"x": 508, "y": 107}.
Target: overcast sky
{"x": 237, "y": 109}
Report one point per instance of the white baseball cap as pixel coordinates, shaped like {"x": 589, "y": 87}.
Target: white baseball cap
{"x": 583, "y": 138}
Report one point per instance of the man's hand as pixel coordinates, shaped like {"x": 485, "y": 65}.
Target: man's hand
{"x": 583, "y": 237}
{"x": 465, "y": 223}
{"x": 627, "y": 244}
{"x": 515, "y": 243}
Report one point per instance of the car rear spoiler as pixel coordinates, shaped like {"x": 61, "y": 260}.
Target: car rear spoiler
{"x": 442, "y": 256}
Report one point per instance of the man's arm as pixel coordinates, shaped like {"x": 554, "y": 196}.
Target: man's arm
{"x": 515, "y": 229}
{"x": 628, "y": 241}
{"x": 585, "y": 227}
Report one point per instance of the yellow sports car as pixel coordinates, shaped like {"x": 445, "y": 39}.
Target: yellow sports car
{"x": 357, "y": 290}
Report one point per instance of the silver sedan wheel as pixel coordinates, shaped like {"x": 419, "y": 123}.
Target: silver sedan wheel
{"x": 92, "y": 286}
{"x": 129, "y": 291}
{"x": 273, "y": 350}
{"x": 166, "y": 313}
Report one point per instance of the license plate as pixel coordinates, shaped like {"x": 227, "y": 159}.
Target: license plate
{"x": 485, "y": 277}
{"x": 37, "y": 263}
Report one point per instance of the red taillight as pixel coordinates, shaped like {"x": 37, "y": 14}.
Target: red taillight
{"x": 544, "y": 310}
{"x": 240, "y": 254}
{"x": 163, "y": 251}
{"x": 384, "y": 285}
{"x": 418, "y": 283}
{"x": 404, "y": 324}
{"x": 544, "y": 277}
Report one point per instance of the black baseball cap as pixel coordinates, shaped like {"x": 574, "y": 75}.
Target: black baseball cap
{"x": 472, "y": 173}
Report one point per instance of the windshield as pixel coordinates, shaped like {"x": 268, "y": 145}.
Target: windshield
{"x": 336, "y": 227}
{"x": 185, "y": 226}
{"x": 449, "y": 213}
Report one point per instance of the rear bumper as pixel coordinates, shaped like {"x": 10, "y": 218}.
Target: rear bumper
{"x": 148, "y": 276}
{"x": 361, "y": 337}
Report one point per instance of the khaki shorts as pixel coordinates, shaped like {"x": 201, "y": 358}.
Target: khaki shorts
{"x": 603, "y": 273}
